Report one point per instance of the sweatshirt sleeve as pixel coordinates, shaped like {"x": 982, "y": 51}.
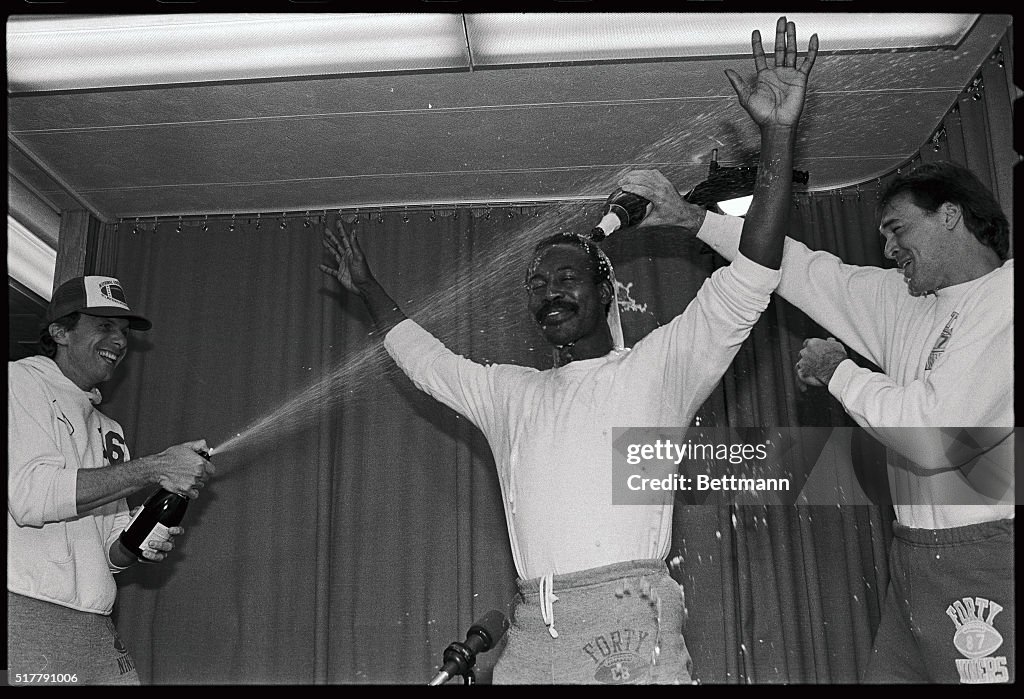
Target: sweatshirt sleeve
{"x": 839, "y": 297}
{"x": 469, "y": 388}
{"x": 970, "y": 386}
{"x": 39, "y": 487}
{"x": 699, "y": 344}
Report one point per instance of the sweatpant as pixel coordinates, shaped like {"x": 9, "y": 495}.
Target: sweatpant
{"x": 948, "y": 615}
{"x": 617, "y": 624}
{"x": 49, "y": 644}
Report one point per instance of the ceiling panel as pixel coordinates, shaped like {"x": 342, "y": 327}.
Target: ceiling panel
{"x": 532, "y": 133}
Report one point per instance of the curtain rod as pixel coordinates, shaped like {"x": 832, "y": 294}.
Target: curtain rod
{"x": 272, "y": 214}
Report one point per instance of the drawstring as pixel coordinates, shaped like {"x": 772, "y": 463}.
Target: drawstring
{"x": 547, "y": 603}
{"x": 644, "y": 587}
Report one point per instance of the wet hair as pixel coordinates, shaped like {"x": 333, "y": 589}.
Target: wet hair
{"x": 931, "y": 184}
{"x": 47, "y": 345}
{"x": 600, "y": 267}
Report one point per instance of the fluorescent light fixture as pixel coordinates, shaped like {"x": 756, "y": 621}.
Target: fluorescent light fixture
{"x": 52, "y": 52}
{"x": 508, "y": 39}
{"x": 83, "y": 52}
{"x": 736, "y": 207}
{"x": 29, "y": 260}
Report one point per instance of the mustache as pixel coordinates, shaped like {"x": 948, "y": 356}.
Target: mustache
{"x": 556, "y": 305}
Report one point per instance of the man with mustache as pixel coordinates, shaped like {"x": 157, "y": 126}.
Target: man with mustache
{"x": 596, "y": 602}
{"x": 941, "y": 329}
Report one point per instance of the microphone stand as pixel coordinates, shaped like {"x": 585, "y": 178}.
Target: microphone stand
{"x": 458, "y": 653}
{"x": 459, "y": 657}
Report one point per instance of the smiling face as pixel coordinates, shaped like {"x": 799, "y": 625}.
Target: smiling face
{"x": 564, "y": 297}
{"x": 89, "y": 352}
{"x": 921, "y": 243}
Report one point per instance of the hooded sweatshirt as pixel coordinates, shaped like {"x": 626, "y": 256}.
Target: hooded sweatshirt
{"x": 53, "y": 429}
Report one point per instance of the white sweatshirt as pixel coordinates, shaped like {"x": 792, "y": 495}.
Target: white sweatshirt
{"x": 964, "y": 380}
{"x": 53, "y": 429}
{"x": 551, "y": 431}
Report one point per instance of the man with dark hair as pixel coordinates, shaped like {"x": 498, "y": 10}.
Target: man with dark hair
{"x": 68, "y": 474}
{"x": 941, "y": 329}
{"x": 592, "y": 573}
{"x": 931, "y": 185}
{"x": 563, "y": 336}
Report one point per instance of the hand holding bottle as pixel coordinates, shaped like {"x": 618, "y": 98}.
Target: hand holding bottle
{"x": 150, "y": 532}
{"x": 668, "y": 206}
{"x": 160, "y": 542}
{"x": 182, "y": 468}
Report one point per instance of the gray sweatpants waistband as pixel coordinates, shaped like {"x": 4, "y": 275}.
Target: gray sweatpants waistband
{"x": 953, "y": 535}
{"x": 595, "y": 576}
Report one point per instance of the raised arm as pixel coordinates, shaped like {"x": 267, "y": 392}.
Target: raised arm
{"x": 463, "y": 385}
{"x": 774, "y": 99}
{"x": 817, "y": 282}
{"x": 354, "y": 274}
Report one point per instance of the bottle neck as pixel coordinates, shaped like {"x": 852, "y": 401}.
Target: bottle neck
{"x": 609, "y": 223}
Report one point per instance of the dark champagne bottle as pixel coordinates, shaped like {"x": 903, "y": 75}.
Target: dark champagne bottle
{"x": 161, "y": 511}
{"x": 622, "y": 209}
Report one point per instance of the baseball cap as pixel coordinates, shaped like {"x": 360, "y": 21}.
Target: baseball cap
{"x": 95, "y": 296}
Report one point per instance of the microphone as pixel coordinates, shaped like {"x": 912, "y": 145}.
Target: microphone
{"x": 482, "y": 636}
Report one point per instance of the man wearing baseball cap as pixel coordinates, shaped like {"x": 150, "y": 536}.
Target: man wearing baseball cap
{"x": 68, "y": 475}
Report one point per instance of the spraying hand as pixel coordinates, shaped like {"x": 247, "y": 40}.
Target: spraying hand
{"x": 182, "y": 469}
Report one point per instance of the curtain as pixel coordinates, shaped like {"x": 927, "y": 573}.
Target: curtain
{"x": 355, "y": 526}
{"x": 789, "y": 593}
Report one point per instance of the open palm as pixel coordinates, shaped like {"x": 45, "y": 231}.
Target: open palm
{"x": 351, "y": 271}
{"x": 775, "y": 96}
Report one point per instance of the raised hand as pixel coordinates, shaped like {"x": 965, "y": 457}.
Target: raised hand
{"x": 775, "y": 96}
{"x": 352, "y": 271}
